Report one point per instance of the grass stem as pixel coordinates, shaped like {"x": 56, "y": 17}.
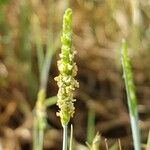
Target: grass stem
{"x": 71, "y": 139}
{"x": 90, "y": 126}
{"x": 131, "y": 96}
{"x": 39, "y": 121}
{"x": 38, "y": 41}
{"x": 65, "y": 136}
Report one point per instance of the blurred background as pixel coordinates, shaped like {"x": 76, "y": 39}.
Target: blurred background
{"x": 29, "y": 27}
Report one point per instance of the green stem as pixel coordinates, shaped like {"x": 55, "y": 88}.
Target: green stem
{"x": 38, "y": 42}
{"x": 41, "y": 137}
{"x": 135, "y": 131}
{"x": 71, "y": 139}
{"x": 96, "y": 142}
{"x": 131, "y": 96}
{"x": 90, "y": 126}
{"x": 65, "y": 136}
{"x": 38, "y": 135}
{"x": 50, "y": 47}
{"x": 39, "y": 124}
{"x": 39, "y": 121}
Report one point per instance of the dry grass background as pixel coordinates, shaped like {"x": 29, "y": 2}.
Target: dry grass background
{"x": 99, "y": 26}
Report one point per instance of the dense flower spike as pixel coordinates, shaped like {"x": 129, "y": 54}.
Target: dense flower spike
{"x": 68, "y": 70}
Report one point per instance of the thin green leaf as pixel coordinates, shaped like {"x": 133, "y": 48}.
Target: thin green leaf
{"x": 50, "y": 101}
{"x": 90, "y": 126}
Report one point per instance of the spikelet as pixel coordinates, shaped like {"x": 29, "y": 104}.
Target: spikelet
{"x": 68, "y": 70}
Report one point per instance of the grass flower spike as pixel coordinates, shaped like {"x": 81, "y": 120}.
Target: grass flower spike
{"x": 68, "y": 70}
{"x": 66, "y": 81}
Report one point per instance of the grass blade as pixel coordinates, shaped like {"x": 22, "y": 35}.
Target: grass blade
{"x": 131, "y": 96}
{"x": 38, "y": 41}
{"x": 71, "y": 138}
{"x": 96, "y": 142}
{"x": 90, "y": 126}
{"x": 50, "y": 101}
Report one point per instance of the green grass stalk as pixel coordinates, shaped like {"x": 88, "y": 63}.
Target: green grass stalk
{"x": 50, "y": 47}
{"x": 71, "y": 138}
{"x": 65, "y": 136}
{"x": 25, "y": 55}
{"x": 39, "y": 121}
{"x": 131, "y": 96}
{"x": 90, "y": 126}
{"x": 44, "y": 67}
{"x": 38, "y": 41}
{"x": 40, "y": 108}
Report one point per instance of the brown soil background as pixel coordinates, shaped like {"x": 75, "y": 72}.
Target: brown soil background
{"x": 99, "y": 26}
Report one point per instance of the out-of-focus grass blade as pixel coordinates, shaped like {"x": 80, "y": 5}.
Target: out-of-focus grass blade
{"x": 50, "y": 101}
{"x": 38, "y": 41}
{"x": 90, "y": 126}
{"x": 116, "y": 146}
{"x": 96, "y": 143}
